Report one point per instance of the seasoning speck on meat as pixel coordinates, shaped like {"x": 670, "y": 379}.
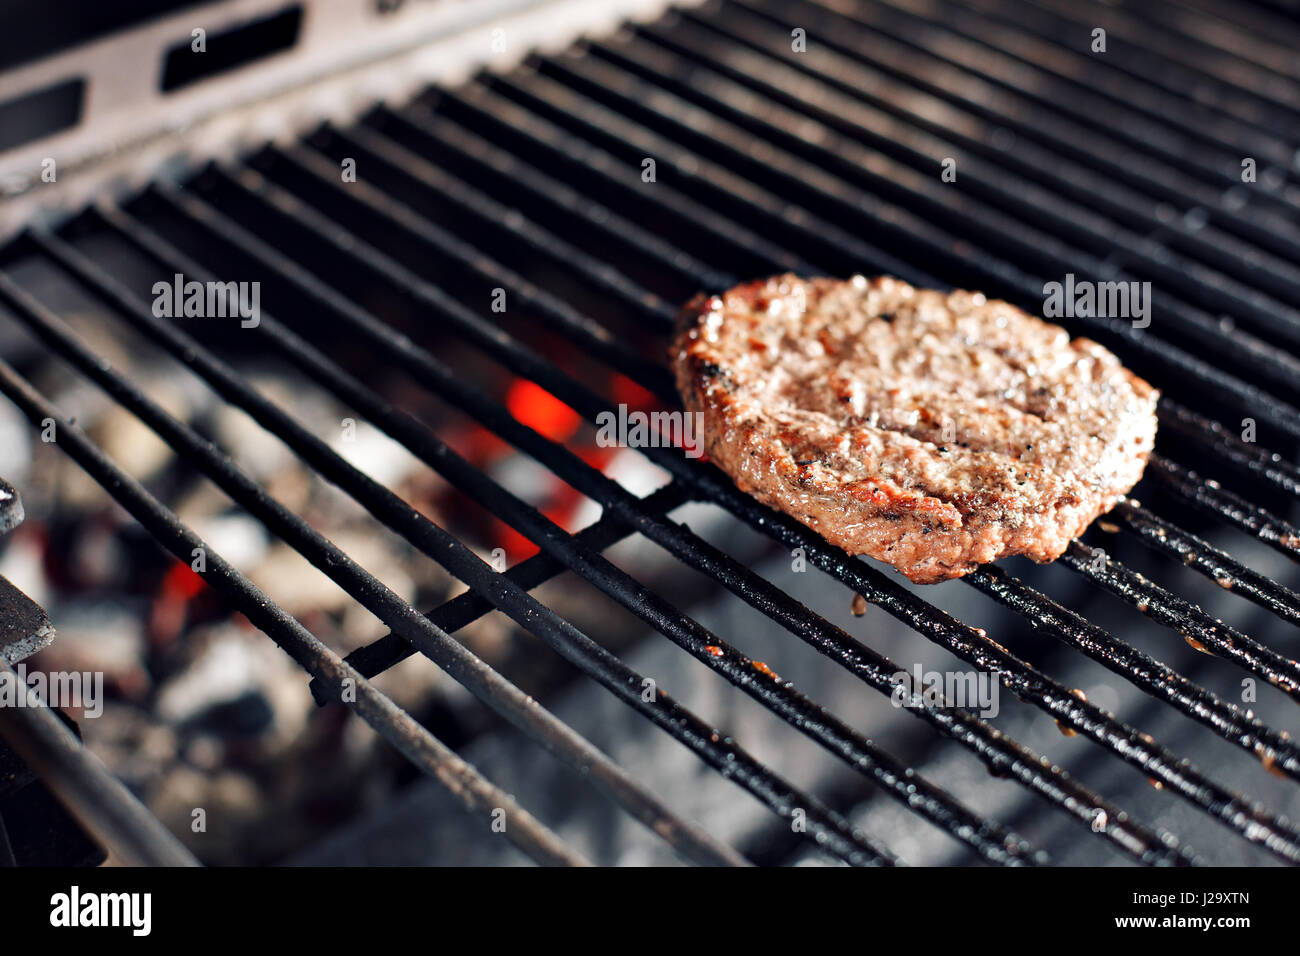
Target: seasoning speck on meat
{"x": 935, "y": 431}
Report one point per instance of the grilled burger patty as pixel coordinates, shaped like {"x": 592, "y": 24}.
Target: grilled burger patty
{"x": 935, "y": 431}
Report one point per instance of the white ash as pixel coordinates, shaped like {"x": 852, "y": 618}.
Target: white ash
{"x": 239, "y": 538}
{"x": 372, "y": 451}
{"x": 232, "y": 663}
{"x": 100, "y": 636}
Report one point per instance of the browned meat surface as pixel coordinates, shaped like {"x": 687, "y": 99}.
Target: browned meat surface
{"x": 935, "y": 431}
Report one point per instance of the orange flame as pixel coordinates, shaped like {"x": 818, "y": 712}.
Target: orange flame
{"x": 541, "y": 411}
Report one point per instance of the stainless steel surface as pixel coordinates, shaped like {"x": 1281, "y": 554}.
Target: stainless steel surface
{"x": 350, "y": 54}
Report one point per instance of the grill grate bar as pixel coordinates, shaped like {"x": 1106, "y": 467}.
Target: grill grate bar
{"x": 953, "y": 72}
{"x": 430, "y": 129}
{"x": 692, "y": 169}
{"x": 1143, "y": 671}
{"x": 1163, "y": 63}
{"x": 1200, "y": 555}
{"x": 1261, "y": 73}
{"x": 919, "y": 129}
{"x": 1207, "y": 495}
{"x": 562, "y": 200}
{"x": 1075, "y": 64}
{"x": 901, "y": 162}
{"x": 758, "y": 252}
{"x": 559, "y": 314}
{"x": 494, "y": 690}
{"x": 1003, "y": 756}
{"x": 987, "y": 837}
{"x": 401, "y": 162}
{"x": 1253, "y": 822}
{"x": 1040, "y": 153}
{"x": 391, "y": 649}
{"x": 1179, "y": 365}
{"x": 580, "y": 83}
{"x": 475, "y": 793}
{"x": 1247, "y": 457}
{"x": 117, "y": 819}
{"x": 1232, "y": 34}
{"x": 1021, "y": 678}
{"x": 1210, "y": 150}
{"x": 1201, "y": 631}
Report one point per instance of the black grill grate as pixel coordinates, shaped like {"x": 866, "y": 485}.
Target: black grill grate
{"x": 1068, "y": 162}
